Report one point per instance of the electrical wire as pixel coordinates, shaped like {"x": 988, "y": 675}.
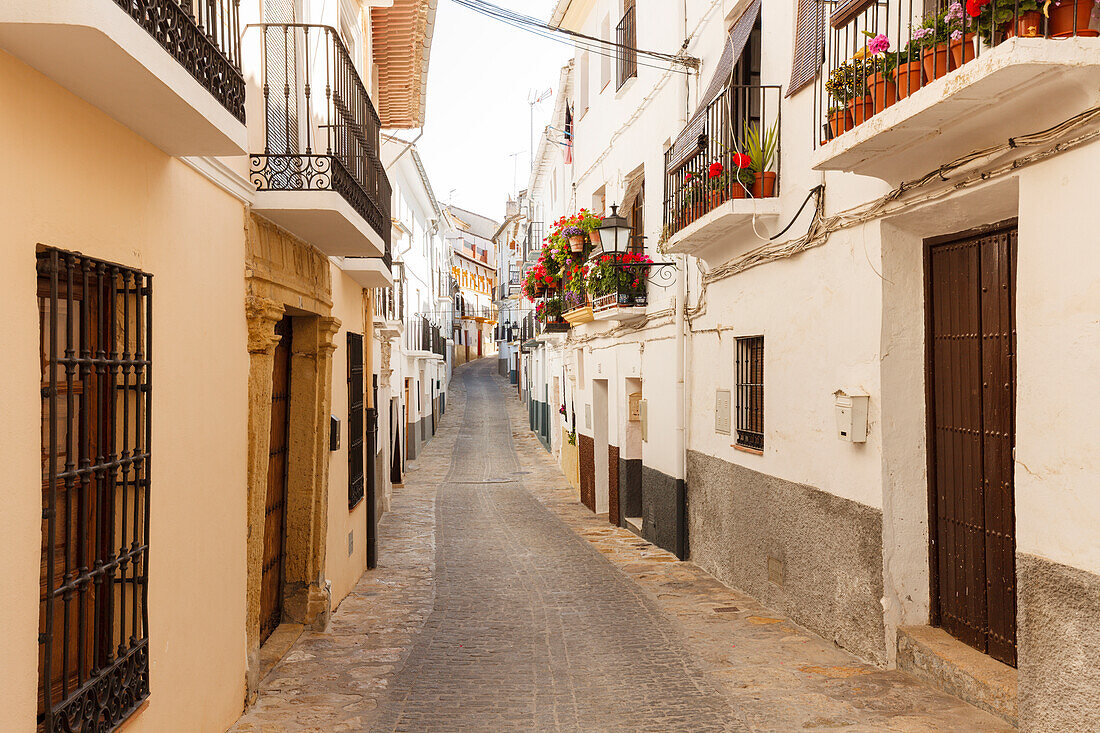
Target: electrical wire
{"x": 596, "y": 45}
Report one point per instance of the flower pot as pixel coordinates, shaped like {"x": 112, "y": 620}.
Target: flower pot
{"x": 882, "y": 90}
{"x": 937, "y": 61}
{"x": 717, "y": 198}
{"x": 1070, "y": 19}
{"x": 737, "y": 190}
{"x": 962, "y": 50}
{"x": 908, "y": 78}
{"x": 860, "y": 109}
{"x": 576, "y": 244}
{"x": 1028, "y": 25}
{"x": 594, "y": 237}
{"x": 764, "y": 188}
{"x": 840, "y": 121}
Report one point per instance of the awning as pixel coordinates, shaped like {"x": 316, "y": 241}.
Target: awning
{"x": 691, "y": 139}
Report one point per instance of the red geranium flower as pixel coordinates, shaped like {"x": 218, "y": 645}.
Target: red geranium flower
{"x": 687, "y": 176}
{"x": 741, "y": 160}
{"x": 715, "y": 169}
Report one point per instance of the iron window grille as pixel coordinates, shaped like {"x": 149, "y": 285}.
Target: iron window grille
{"x": 626, "y": 35}
{"x": 356, "y": 425}
{"x": 750, "y": 392}
{"x": 95, "y": 335}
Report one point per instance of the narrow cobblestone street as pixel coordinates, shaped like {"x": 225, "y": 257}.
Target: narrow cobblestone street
{"x": 501, "y": 604}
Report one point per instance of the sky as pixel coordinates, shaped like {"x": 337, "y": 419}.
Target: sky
{"x": 481, "y": 73}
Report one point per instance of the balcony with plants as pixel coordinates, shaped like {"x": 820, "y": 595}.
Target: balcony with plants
{"x": 906, "y": 90}
{"x": 319, "y": 175}
{"x": 722, "y": 173}
{"x": 170, "y": 70}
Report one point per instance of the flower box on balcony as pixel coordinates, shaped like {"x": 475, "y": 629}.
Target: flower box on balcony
{"x": 618, "y": 306}
{"x": 1022, "y": 85}
{"x": 577, "y": 316}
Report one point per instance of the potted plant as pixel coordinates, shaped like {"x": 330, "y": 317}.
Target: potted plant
{"x": 760, "y": 147}
{"x": 575, "y": 306}
{"x": 590, "y": 223}
{"x": 742, "y": 179}
{"x": 575, "y": 235}
{"x": 933, "y": 39}
{"x": 908, "y": 70}
{"x": 693, "y": 198}
{"x": 879, "y": 71}
{"x": 959, "y": 33}
{"x": 849, "y": 82}
{"x": 1069, "y": 18}
{"x": 717, "y": 184}
{"x": 1019, "y": 18}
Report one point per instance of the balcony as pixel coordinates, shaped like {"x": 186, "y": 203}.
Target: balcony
{"x": 899, "y": 98}
{"x": 722, "y": 174}
{"x": 369, "y": 272}
{"x": 319, "y": 175}
{"x": 167, "y": 69}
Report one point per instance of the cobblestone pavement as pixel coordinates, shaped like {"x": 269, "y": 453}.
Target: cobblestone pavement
{"x": 501, "y": 604}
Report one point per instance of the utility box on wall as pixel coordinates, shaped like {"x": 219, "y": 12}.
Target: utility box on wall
{"x": 722, "y": 412}
{"x": 851, "y": 416}
{"x": 634, "y": 412}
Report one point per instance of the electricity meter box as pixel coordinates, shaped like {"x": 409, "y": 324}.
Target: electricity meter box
{"x": 851, "y": 416}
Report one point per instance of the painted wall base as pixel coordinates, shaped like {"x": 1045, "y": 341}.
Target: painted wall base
{"x": 1059, "y": 646}
{"x": 810, "y": 554}
{"x": 663, "y": 511}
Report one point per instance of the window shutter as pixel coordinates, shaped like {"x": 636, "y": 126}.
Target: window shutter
{"x": 809, "y": 45}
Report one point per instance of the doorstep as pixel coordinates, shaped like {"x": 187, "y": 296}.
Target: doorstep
{"x": 934, "y": 656}
{"x": 634, "y": 524}
{"x": 277, "y": 646}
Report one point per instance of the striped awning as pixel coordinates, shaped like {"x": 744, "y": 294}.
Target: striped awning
{"x": 693, "y": 135}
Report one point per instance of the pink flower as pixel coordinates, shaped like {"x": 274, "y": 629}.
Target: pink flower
{"x": 879, "y": 44}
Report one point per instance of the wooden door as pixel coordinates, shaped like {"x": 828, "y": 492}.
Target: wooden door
{"x": 972, "y": 333}
{"x": 271, "y": 586}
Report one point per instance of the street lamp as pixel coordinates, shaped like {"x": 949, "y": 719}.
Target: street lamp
{"x": 615, "y": 232}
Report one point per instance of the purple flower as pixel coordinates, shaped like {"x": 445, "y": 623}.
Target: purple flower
{"x": 879, "y": 44}
{"x": 921, "y": 33}
{"x": 955, "y": 12}
{"x": 957, "y": 36}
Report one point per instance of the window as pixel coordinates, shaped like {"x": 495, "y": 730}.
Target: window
{"x": 626, "y": 35}
{"x": 750, "y": 392}
{"x": 356, "y": 431}
{"x": 95, "y": 366}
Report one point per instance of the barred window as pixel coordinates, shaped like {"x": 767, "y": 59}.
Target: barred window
{"x": 356, "y": 427}
{"x": 626, "y": 35}
{"x": 95, "y": 331}
{"x": 750, "y": 392}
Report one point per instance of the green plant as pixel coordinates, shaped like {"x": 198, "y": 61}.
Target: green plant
{"x": 760, "y": 146}
{"x": 571, "y": 436}
{"x": 842, "y": 81}
{"x": 995, "y": 16}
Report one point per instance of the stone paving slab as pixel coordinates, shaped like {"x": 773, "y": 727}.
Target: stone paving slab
{"x": 500, "y": 604}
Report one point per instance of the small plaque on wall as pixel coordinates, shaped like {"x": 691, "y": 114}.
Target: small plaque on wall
{"x": 588, "y": 416}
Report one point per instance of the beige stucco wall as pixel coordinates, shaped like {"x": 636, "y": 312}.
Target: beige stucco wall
{"x": 342, "y": 569}
{"x": 78, "y": 180}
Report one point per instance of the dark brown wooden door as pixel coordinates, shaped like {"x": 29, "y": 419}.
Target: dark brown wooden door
{"x": 271, "y": 586}
{"x": 972, "y": 434}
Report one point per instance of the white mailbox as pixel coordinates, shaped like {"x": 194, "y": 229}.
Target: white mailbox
{"x": 851, "y": 416}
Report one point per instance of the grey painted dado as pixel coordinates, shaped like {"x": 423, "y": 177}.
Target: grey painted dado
{"x": 630, "y": 487}
{"x": 663, "y": 511}
{"x": 1059, "y": 646}
{"x": 810, "y": 554}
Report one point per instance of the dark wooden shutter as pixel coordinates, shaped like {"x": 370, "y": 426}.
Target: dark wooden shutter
{"x": 809, "y": 45}
{"x": 356, "y": 427}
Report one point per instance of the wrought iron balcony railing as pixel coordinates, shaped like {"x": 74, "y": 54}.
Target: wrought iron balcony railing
{"x": 878, "y": 52}
{"x": 204, "y": 36}
{"x": 626, "y": 34}
{"x": 709, "y": 164}
{"x": 321, "y": 130}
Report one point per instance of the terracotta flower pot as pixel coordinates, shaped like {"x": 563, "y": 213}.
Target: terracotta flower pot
{"x": 576, "y": 244}
{"x": 1028, "y": 25}
{"x": 737, "y": 191}
{"x": 594, "y": 237}
{"x": 1071, "y": 19}
{"x": 937, "y": 61}
{"x": 764, "y": 188}
{"x": 962, "y": 50}
{"x": 882, "y": 90}
{"x": 908, "y": 78}
{"x": 861, "y": 109}
{"x": 840, "y": 121}
{"x": 717, "y": 198}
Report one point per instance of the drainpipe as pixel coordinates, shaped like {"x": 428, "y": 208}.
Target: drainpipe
{"x": 680, "y": 306}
